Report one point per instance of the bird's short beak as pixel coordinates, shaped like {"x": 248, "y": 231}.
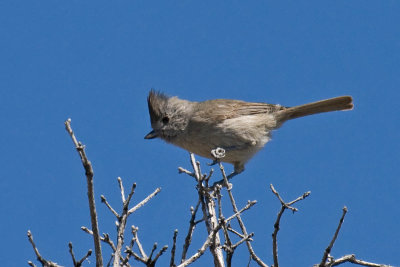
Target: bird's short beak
{"x": 151, "y": 135}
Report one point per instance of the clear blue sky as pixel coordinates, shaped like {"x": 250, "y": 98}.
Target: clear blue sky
{"x": 95, "y": 61}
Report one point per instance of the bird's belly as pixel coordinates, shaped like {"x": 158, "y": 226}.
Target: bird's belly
{"x": 237, "y": 149}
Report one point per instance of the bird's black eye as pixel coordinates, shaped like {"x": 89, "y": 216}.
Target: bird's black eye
{"x": 165, "y": 119}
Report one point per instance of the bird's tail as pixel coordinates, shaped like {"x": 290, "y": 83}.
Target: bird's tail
{"x": 327, "y": 105}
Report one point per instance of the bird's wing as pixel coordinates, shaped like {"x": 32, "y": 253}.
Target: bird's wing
{"x": 219, "y": 110}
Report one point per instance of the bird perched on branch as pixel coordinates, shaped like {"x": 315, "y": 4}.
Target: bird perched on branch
{"x": 238, "y": 127}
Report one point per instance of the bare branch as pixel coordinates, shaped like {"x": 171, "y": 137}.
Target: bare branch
{"x": 239, "y": 219}
{"x": 244, "y": 239}
{"x": 182, "y": 170}
{"x": 72, "y": 253}
{"x": 87, "y": 165}
{"x": 110, "y": 260}
{"x": 122, "y": 220}
{"x": 352, "y": 259}
{"x": 209, "y": 214}
{"x": 164, "y": 248}
{"x": 78, "y": 263}
{"x": 118, "y": 260}
{"x": 144, "y": 201}
{"x": 133, "y": 187}
{"x": 172, "y": 261}
{"x": 230, "y": 229}
{"x": 121, "y": 187}
{"x": 104, "y": 200}
{"x": 136, "y": 256}
{"x": 229, "y": 249}
{"x": 203, "y": 248}
{"x": 209, "y": 175}
{"x": 328, "y": 261}
{"x": 275, "y": 235}
{"x": 329, "y": 248}
{"x": 288, "y": 205}
{"x": 152, "y": 250}
{"x": 136, "y": 239}
{"x": 106, "y": 239}
{"x": 248, "y": 206}
{"x": 192, "y": 226}
{"x": 39, "y": 257}
{"x": 284, "y": 206}
{"x": 197, "y": 172}
{"x": 147, "y": 260}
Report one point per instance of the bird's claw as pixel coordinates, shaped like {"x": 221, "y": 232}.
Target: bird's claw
{"x": 218, "y": 153}
{"x": 215, "y": 161}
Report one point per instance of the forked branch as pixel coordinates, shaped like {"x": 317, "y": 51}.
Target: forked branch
{"x": 87, "y": 165}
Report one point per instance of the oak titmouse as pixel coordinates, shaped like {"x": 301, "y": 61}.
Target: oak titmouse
{"x": 240, "y": 128}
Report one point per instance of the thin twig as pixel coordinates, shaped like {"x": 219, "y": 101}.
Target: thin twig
{"x": 239, "y": 219}
{"x": 87, "y": 165}
{"x": 39, "y": 257}
{"x": 122, "y": 219}
{"x": 121, "y": 187}
{"x": 78, "y": 263}
{"x": 203, "y": 248}
{"x": 209, "y": 214}
{"x": 104, "y": 200}
{"x": 147, "y": 260}
{"x": 275, "y": 235}
{"x": 352, "y": 259}
{"x": 136, "y": 256}
{"x": 128, "y": 255}
{"x": 329, "y": 248}
{"x": 244, "y": 239}
{"x": 284, "y": 206}
{"x": 164, "y": 248}
{"x": 105, "y": 238}
{"x": 248, "y": 206}
{"x": 182, "y": 170}
{"x": 110, "y": 260}
{"x": 136, "y": 238}
{"x": 192, "y": 226}
{"x": 144, "y": 201}
{"x": 288, "y": 205}
{"x": 152, "y": 250}
{"x": 229, "y": 249}
{"x": 133, "y": 187}
{"x": 230, "y": 229}
{"x": 172, "y": 261}
{"x": 195, "y": 167}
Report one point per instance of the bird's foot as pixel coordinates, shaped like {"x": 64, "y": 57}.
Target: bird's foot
{"x": 218, "y": 153}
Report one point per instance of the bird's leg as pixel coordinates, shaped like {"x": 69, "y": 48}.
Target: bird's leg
{"x": 219, "y": 153}
{"x": 215, "y": 161}
{"x": 238, "y": 168}
{"x": 231, "y": 175}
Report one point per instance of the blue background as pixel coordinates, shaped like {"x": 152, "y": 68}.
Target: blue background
{"x": 95, "y": 61}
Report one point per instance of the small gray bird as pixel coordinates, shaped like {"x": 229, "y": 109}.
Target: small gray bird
{"x": 240, "y": 128}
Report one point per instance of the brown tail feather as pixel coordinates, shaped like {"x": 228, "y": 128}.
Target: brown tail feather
{"x": 327, "y": 105}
